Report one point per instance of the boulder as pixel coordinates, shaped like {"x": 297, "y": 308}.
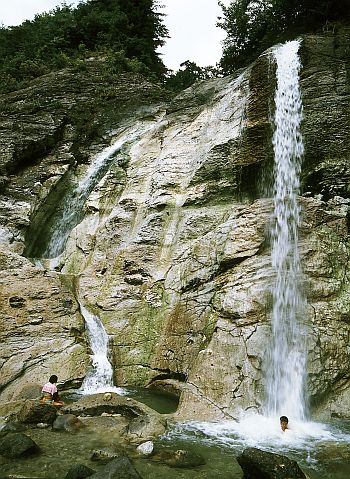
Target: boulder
{"x": 34, "y": 412}
{"x": 12, "y": 426}
{"x": 144, "y": 428}
{"x": 104, "y": 455}
{"x": 79, "y": 471}
{"x": 178, "y": 458}
{"x": 120, "y": 468}
{"x": 145, "y": 423}
{"x": 17, "y": 444}
{"x": 145, "y": 448}
{"x": 258, "y": 464}
{"x": 67, "y": 422}
{"x": 111, "y": 403}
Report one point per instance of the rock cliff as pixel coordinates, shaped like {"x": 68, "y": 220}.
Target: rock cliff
{"x": 170, "y": 244}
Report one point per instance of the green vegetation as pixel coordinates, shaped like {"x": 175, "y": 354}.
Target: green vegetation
{"x": 253, "y": 26}
{"x": 125, "y": 32}
{"x": 189, "y": 73}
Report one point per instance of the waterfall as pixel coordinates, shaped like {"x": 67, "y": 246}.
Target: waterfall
{"x": 72, "y": 207}
{"x": 100, "y": 378}
{"x": 286, "y": 362}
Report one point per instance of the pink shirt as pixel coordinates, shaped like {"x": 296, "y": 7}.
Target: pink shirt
{"x": 49, "y": 388}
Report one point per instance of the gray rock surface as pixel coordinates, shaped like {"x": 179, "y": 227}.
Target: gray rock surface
{"x": 258, "y": 464}
{"x": 67, "y": 422}
{"x": 171, "y": 247}
{"x": 34, "y": 412}
{"x": 79, "y": 471}
{"x": 120, "y": 468}
{"x": 143, "y": 422}
{"x": 17, "y": 444}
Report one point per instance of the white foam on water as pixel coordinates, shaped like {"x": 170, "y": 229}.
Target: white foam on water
{"x": 263, "y": 432}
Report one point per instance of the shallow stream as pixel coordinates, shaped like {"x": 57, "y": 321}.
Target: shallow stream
{"x": 322, "y": 450}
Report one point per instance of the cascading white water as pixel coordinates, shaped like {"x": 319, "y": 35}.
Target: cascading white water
{"x": 100, "y": 378}
{"x": 74, "y": 202}
{"x": 286, "y": 361}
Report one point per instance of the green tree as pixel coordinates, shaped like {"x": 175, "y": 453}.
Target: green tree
{"x": 127, "y": 32}
{"x": 189, "y": 73}
{"x": 253, "y": 26}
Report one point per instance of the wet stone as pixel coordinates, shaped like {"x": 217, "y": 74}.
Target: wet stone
{"x": 15, "y": 445}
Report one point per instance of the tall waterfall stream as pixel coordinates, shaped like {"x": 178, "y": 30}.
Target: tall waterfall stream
{"x": 287, "y": 359}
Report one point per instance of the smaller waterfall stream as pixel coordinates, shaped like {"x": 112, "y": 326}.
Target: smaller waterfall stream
{"x": 71, "y": 212}
{"x": 287, "y": 357}
{"x": 100, "y": 377}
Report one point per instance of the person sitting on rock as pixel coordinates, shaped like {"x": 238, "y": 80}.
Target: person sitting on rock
{"x": 284, "y": 423}
{"x": 49, "y": 393}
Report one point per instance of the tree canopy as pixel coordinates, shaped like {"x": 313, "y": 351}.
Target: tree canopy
{"x": 253, "y": 26}
{"x": 127, "y": 32}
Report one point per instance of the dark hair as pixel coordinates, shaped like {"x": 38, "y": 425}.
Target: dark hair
{"x": 283, "y": 419}
{"x": 53, "y": 379}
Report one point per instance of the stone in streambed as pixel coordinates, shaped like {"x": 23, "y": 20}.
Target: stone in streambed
{"x": 120, "y": 468}
{"x": 17, "y": 445}
{"x": 67, "y": 422}
{"x": 79, "y": 471}
{"x": 178, "y": 458}
{"x": 258, "y": 464}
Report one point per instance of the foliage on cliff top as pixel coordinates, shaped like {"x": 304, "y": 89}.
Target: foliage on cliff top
{"x": 126, "y": 32}
{"x": 254, "y": 26}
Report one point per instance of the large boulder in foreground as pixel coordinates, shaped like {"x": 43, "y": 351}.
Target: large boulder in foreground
{"x": 258, "y": 464}
{"x": 79, "y": 471}
{"x": 120, "y": 468}
{"x": 67, "y": 422}
{"x": 145, "y": 423}
{"x": 34, "y": 412}
{"x": 17, "y": 444}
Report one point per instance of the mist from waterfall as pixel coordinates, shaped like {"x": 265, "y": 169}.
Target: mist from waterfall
{"x": 286, "y": 361}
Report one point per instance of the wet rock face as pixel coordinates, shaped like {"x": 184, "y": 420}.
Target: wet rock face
{"x": 121, "y": 467}
{"x": 172, "y": 246}
{"x": 44, "y": 334}
{"x": 325, "y": 85}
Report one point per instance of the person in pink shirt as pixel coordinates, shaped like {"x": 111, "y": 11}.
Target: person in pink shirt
{"x": 49, "y": 393}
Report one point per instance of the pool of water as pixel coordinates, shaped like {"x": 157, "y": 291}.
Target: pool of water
{"x": 159, "y": 401}
{"x": 321, "y": 450}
